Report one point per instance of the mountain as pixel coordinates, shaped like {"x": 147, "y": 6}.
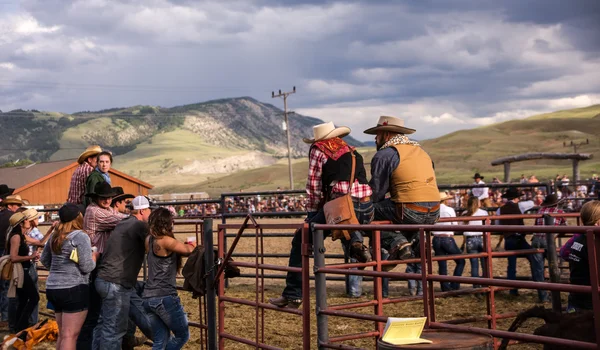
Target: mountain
{"x": 458, "y": 155}
{"x": 196, "y": 141}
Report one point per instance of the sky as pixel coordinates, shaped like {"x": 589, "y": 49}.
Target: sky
{"x": 440, "y": 65}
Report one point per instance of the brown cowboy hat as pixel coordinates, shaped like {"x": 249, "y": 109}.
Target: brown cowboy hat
{"x": 89, "y": 152}
{"x": 391, "y": 124}
{"x": 327, "y": 131}
{"x": 14, "y": 199}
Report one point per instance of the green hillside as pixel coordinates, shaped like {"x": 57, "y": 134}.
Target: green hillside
{"x": 458, "y": 155}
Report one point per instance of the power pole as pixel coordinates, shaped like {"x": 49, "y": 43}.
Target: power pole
{"x": 285, "y": 95}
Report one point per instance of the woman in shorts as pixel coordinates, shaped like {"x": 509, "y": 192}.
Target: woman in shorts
{"x": 160, "y": 293}
{"x": 67, "y": 284}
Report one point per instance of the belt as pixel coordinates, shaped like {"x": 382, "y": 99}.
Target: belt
{"x": 363, "y": 199}
{"x": 419, "y": 208}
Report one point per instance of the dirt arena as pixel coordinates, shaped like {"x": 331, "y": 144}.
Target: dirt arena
{"x": 284, "y": 330}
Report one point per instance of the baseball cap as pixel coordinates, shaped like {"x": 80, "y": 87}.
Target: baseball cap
{"x": 141, "y": 202}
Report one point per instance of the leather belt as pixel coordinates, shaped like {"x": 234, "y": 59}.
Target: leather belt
{"x": 419, "y": 208}
{"x": 365, "y": 199}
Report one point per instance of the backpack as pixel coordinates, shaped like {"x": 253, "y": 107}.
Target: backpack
{"x": 195, "y": 271}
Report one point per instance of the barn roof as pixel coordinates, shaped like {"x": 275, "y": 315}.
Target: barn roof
{"x": 22, "y": 177}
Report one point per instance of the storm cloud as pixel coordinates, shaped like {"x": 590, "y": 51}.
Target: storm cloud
{"x": 440, "y": 65}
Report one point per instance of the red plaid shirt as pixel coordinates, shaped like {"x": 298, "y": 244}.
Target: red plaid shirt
{"x": 316, "y": 160}
{"x": 77, "y": 187}
{"x": 98, "y": 223}
{"x": 558, "y": 221}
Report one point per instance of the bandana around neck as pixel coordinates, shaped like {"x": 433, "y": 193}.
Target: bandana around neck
{"x": 333, "y": 148}
{"x": 399, "y": 140}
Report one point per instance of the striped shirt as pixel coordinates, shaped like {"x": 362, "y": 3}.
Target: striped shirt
{"x": 77, "y": 187}
{"x": 98, "y": 223}
{"x": 314, "y": 190}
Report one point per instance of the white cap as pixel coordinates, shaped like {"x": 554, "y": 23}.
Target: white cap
{"x": 140, "y": 202}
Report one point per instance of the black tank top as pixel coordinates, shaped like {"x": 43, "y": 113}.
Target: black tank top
{"x": 23, "y": 249}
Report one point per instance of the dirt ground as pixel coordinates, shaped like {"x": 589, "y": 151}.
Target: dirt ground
{"x": 284, "y": 330}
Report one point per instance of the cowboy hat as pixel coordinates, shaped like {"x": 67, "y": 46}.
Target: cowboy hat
{"x": 102, "y": 190}
{"x": 14, "y": 199}
{"x": 89, "y": 152}
{"x": 550, "y": 200}
{"x": 16, "y": 219}
{"x": 120, "y": 194}
{"x": 511, "y": 193}
{"x": 31, "y": 214}
{"x": 327, "y": 131}
{"x": 5, "y": 191}
{"x": 392, "y": 124}
{"x": 477, "y": 175}
{"x": 444, "y": 196}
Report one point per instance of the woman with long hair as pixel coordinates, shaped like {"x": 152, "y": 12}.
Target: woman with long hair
{"x": 160, "y": 294}
{"x": 575, "y": 251}
{"x": 69, "y": 258}
{"x": 474, "y": 240}
{"x": 27, "y": 295}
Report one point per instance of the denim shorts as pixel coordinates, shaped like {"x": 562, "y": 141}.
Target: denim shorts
{"x": 70, "y": 300}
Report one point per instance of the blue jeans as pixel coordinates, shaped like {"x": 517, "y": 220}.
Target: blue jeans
{"x": 137, "y": 317}
{"x": 518, "y": 242}
{"x": 447, "y": 246}
{"x": 415, "y": 284}
{"x": 293, "y": 280}
{"x": 167, "y": 315}
{"x": 354, "y": 282}
{"x": 3, "y": 295}
{"x": 387, "y": 210}
{"x": 115, "y": 313}
{"x": 475, "y": 245}
{"x": 34, "y": 318}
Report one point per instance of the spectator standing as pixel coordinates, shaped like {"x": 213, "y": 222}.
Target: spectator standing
{"x": 87, "y": 162}
{"x": 576, "y": 253}
{"x": 67, "y": 286}
{"x": 474, "y": 240}
{"x": 516, "y": 241}
{"x": 9, "y": 206}
{"x": 121, "y": 200}
{"x": 27, "y": 295}
{"x": 161, "y": 300}
{"x": 117, "y": 277}
{"x": 100, "y": 174}
{"x": 444, "y": 244}
{"x": 549, "y": 206}
{"x": 481, "y": 192}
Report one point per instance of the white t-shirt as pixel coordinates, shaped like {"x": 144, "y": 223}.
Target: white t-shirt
{"x": 480, "y": 192}
{"x": 445, "y": 212}
{"x": 479, "y": 212}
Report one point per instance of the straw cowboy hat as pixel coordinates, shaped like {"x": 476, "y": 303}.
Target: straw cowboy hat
{"x": 392, "y": 124}
{"x": 16, "y": 219}
{"x": 327, "y": 131}
{"x": 14, "y": 199}
{"x": 444, "y": 196}
{"x": 89, "y": 152}
{"x": 31, "y": 214}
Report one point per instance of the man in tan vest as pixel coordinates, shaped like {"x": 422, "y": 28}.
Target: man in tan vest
{"x": 402, "y": 168}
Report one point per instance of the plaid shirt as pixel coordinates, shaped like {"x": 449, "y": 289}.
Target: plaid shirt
{"x": 77, "y": 187}
{"x": 316, "y": 160}
{"x": 98, "y": 223}
{"x": 558, "y": 221}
